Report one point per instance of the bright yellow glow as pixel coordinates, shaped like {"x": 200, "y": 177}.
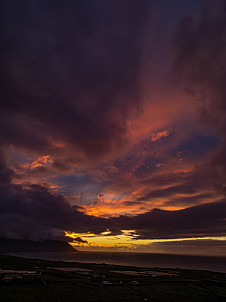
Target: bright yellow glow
{"x": 81, "y": 235}
{"x": 127, "y": 239}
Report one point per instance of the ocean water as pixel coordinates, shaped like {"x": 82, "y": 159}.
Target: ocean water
{"x": 137, "y": 259}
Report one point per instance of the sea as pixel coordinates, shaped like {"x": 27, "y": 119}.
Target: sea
{"x": 149, "y": 260}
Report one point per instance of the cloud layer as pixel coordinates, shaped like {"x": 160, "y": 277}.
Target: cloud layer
{"x": 112, "y": 119}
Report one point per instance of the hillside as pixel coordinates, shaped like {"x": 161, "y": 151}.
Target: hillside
{"x": 14, "y": 245}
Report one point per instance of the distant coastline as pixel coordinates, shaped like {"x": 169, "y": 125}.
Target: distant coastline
{"x": 211, "y": 263}
{"x": 63, "y": 251}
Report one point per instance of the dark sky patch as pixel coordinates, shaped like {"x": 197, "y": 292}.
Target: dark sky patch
{"x": 70, "y": 72}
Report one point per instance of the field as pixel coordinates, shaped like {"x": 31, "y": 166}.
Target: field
{"x": 29, "y": 280}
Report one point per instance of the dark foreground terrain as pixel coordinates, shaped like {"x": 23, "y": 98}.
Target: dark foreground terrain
{"x": 28, "y": 280}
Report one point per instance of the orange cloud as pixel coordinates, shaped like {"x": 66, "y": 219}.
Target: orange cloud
{"x": 158, "y": 135}
{"x": 46, "y": 160}
{"x": 111, "y": 207}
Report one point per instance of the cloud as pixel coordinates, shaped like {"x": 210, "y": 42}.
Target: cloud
{"x": 200, "y": 63}
{"x": 33, "y": 212}
{"x": 196, "y": 221}
{"x": 200, "y": 67}
{"x": 78, "y": 239}
{"x": 159, "y": 135}
{"x": 75, "y": 116}
{"x": 71, "y": 76}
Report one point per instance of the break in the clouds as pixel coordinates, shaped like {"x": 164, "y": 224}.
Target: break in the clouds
{"x": 113, "y": 119}
{"x": 33, "y": 212}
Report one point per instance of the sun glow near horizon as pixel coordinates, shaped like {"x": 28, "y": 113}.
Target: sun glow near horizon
{"x": 127, "y": 241}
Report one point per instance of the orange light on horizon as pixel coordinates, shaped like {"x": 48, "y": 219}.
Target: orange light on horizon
{"x": 127, "y": 240}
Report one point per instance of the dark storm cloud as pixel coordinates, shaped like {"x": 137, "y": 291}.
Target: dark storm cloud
{"x": 197, "y": 221}
{"x": 70, "y": 72}
{"x": 33, "y": 212}
{"x": 201, "y": 63}
{"x": 6, "y": 174}
{"x": 200, "y": 66}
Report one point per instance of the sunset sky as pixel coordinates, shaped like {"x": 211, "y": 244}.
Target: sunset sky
{"x": 113, "y": 124}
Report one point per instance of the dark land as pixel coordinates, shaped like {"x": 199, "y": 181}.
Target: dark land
{"x": 13, "y": 245}
{"x": 28, "y": 280}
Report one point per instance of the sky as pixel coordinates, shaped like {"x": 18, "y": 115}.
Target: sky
{"x": 112, "y": 124}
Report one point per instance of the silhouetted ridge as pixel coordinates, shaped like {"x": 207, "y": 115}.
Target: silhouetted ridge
{"x": 16, "y": 245}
